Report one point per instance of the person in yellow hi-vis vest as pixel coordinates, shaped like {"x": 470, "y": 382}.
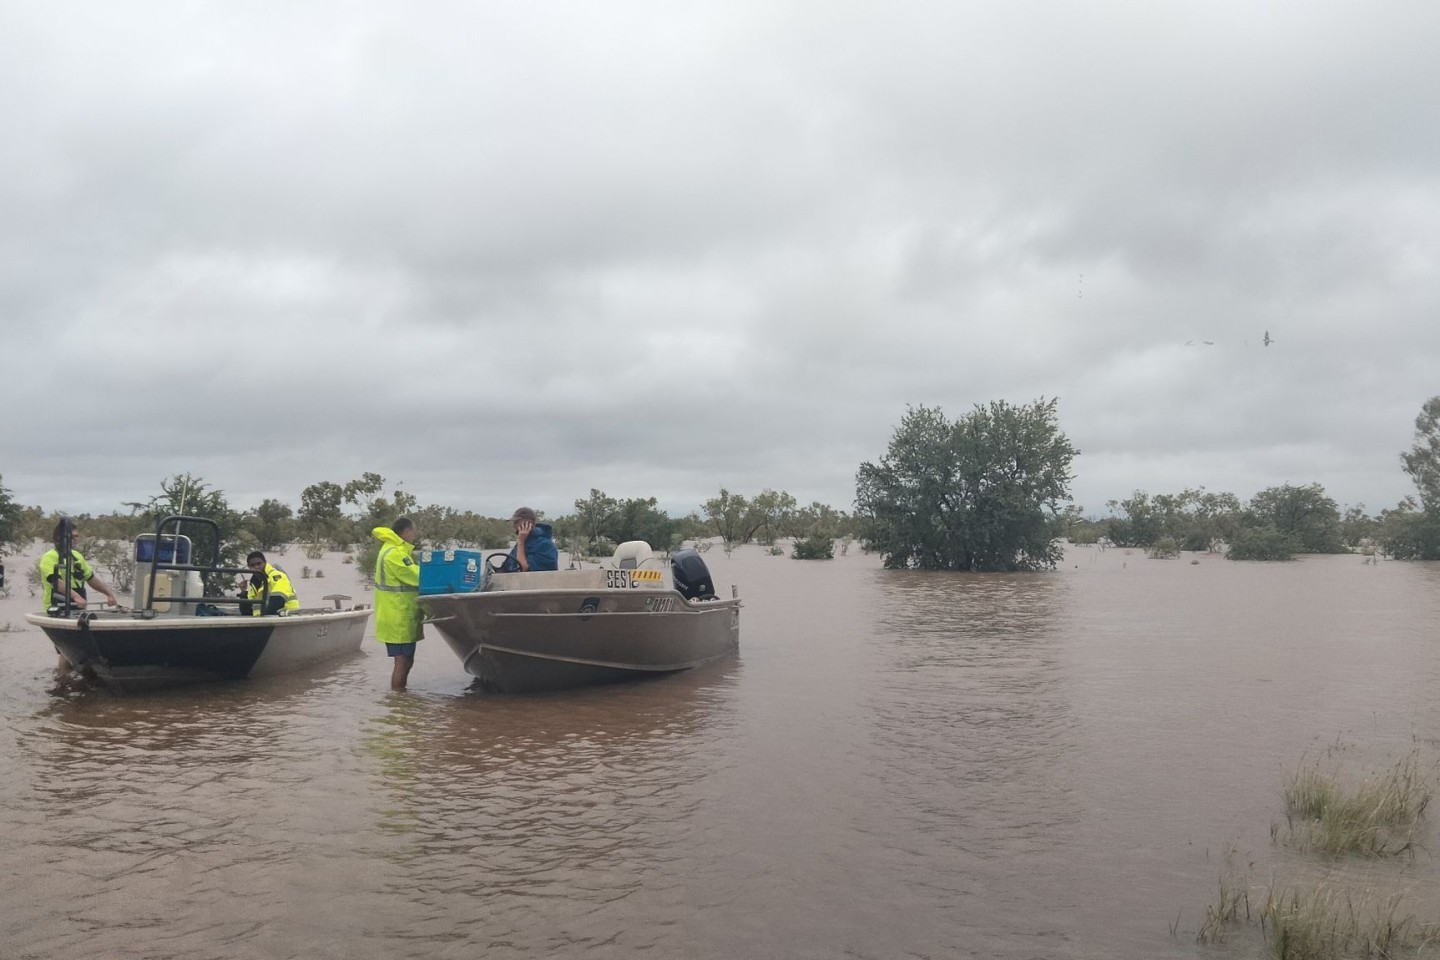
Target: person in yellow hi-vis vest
{"x": 59, "y": 579}
{"x": 397, "y": 597}
{"x": 281, "y": 595}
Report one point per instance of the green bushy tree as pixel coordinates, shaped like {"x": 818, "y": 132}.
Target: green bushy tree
{"x": 773, "y": 515}
{"x": 1166, "y": 548}
{"x": 375, "y": 509}
{"x": 1422, "y": 460}
{"x": 1407, "y": 533}
{"x": 272, "y": 524}
{"x": 1410, "y": 533}
{"x": 814, "y": 547}
{"x": 637, "y": 519}
{"x": 730, "y": 517}
{"x": 320, "y": 517}
{"x": 1358, "y": 529}
{"x": 593, "y": 518}
{"x": 186, "y": 495}
{"x": 1304, "y": 515}
{"x": 1195, "y": 518}
{"x": 12, "y": 534}
{"x": 977, "y": 494}
{"x": 1262, "y": 543}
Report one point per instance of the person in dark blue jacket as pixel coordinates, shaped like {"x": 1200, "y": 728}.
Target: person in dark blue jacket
{"x": 534, "y": 545}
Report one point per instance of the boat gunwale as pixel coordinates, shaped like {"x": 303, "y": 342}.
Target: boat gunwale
{"x": 116, "y": 623}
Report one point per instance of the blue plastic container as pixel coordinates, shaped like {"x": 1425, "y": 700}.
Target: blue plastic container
{"x": 173, "y": 549}
{"x": 450, "y": 571}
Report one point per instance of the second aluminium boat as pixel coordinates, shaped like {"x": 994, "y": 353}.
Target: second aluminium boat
{"x": 637, "y": 615}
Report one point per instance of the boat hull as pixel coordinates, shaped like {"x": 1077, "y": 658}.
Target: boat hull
{"x": 138, "y": 654}
{"x": 520, "y": 641}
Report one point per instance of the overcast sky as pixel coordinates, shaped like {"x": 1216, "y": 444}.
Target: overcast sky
{"x": 503, "y": 253}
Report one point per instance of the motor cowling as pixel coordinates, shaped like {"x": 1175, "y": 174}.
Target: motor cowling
{"x": 692, "y": 577}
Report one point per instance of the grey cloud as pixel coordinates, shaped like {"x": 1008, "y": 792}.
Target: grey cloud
{"x": 510, "y": 254}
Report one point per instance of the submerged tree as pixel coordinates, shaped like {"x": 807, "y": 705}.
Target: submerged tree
{"x": 187, "y": 495}
{"x": 1407, "y": 533}
{"x": 1422, "y": 461}
{"x": 271, "y": 524}
{"x": 641, "y": 519}
{"x": 320, "y": 518}
{"x": 977, "y": 494}
{"x": 11, "y": 537}
{"x": 593, "y": 516}
{"x": 1195, "y": 518}
{"x": 814, "y": 547}
{"x": 1305, "y": 515}
{"x": 773, "y": 514}
{"x": 731, "y": 516}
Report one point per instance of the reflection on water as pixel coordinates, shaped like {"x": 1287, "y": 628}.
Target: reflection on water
{"x": 969, "y": 735}
{"x": 900, "y": 764}
{"x": 143, "y": 813}
{"x": 972, "y": 698}
{"x": 524, "y": 812}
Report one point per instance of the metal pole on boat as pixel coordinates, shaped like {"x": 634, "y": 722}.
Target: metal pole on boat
{"x": 63, "y": 546}
{"x": 184, "y": 493}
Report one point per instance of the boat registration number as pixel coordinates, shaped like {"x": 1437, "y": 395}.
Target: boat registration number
{"x": 628, "y": 579}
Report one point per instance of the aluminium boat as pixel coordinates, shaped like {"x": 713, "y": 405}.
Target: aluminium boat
{"x": 176, "y": 634}
{"x": 637, "y": 615}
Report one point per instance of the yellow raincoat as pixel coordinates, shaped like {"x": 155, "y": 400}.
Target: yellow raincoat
{"x": 397, "y": 589}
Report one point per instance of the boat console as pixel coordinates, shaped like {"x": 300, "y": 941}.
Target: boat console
{"x": 160, "y": 588}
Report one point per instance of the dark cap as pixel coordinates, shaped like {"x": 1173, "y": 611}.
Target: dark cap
{"x": 523, "y": 513}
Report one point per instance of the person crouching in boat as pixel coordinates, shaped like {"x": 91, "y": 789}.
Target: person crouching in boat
{"x": 282, "y": 593}
{"x": 534, "y": 544}
{"x": 397, "y": 597}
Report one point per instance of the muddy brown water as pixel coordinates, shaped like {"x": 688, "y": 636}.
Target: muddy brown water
{"x": 897, "y": 765}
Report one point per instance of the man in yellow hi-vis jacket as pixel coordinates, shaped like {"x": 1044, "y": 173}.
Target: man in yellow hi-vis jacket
{"x": 397, "y": 597}
{"x": 279, "y": 596}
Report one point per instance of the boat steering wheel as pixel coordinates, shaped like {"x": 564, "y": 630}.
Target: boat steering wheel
{"x": 495, "y": 561}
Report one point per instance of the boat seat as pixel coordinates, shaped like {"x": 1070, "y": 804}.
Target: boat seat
{"x": 632, "y": 554}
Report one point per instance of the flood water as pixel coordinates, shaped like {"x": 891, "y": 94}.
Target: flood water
{"x": 897, "y": 765}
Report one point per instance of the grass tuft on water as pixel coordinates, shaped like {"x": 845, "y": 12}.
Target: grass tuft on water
{"x": 1329, "y": 923}
{"x": 1320, "y": 922}
{"x": 1224, "y": 913}
{"x": 1231, "y": 906}
{"x": 1377, "y": 818}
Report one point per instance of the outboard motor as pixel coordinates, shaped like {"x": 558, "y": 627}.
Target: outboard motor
{"x": 692, "y": 577}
